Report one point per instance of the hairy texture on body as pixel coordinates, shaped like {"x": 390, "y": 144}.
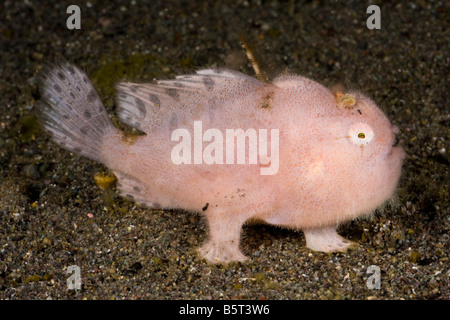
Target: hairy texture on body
{"x": 337, "y": 159}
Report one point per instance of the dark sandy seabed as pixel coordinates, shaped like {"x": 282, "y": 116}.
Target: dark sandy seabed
{"x": 53, "y": 215}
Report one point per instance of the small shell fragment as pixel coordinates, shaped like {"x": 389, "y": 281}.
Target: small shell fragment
{"x": 104, "y": 181}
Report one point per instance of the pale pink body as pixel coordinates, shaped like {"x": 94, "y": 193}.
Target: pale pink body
{"x": 326, "y": 176}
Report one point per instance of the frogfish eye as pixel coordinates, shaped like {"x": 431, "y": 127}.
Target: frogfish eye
{"x": 360, "y": 133}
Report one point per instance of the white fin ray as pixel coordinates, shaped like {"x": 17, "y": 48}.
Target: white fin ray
{"x": 134, "y": 190}
{"x": 168, "y": 103}
{"x": 71, "y": 110}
